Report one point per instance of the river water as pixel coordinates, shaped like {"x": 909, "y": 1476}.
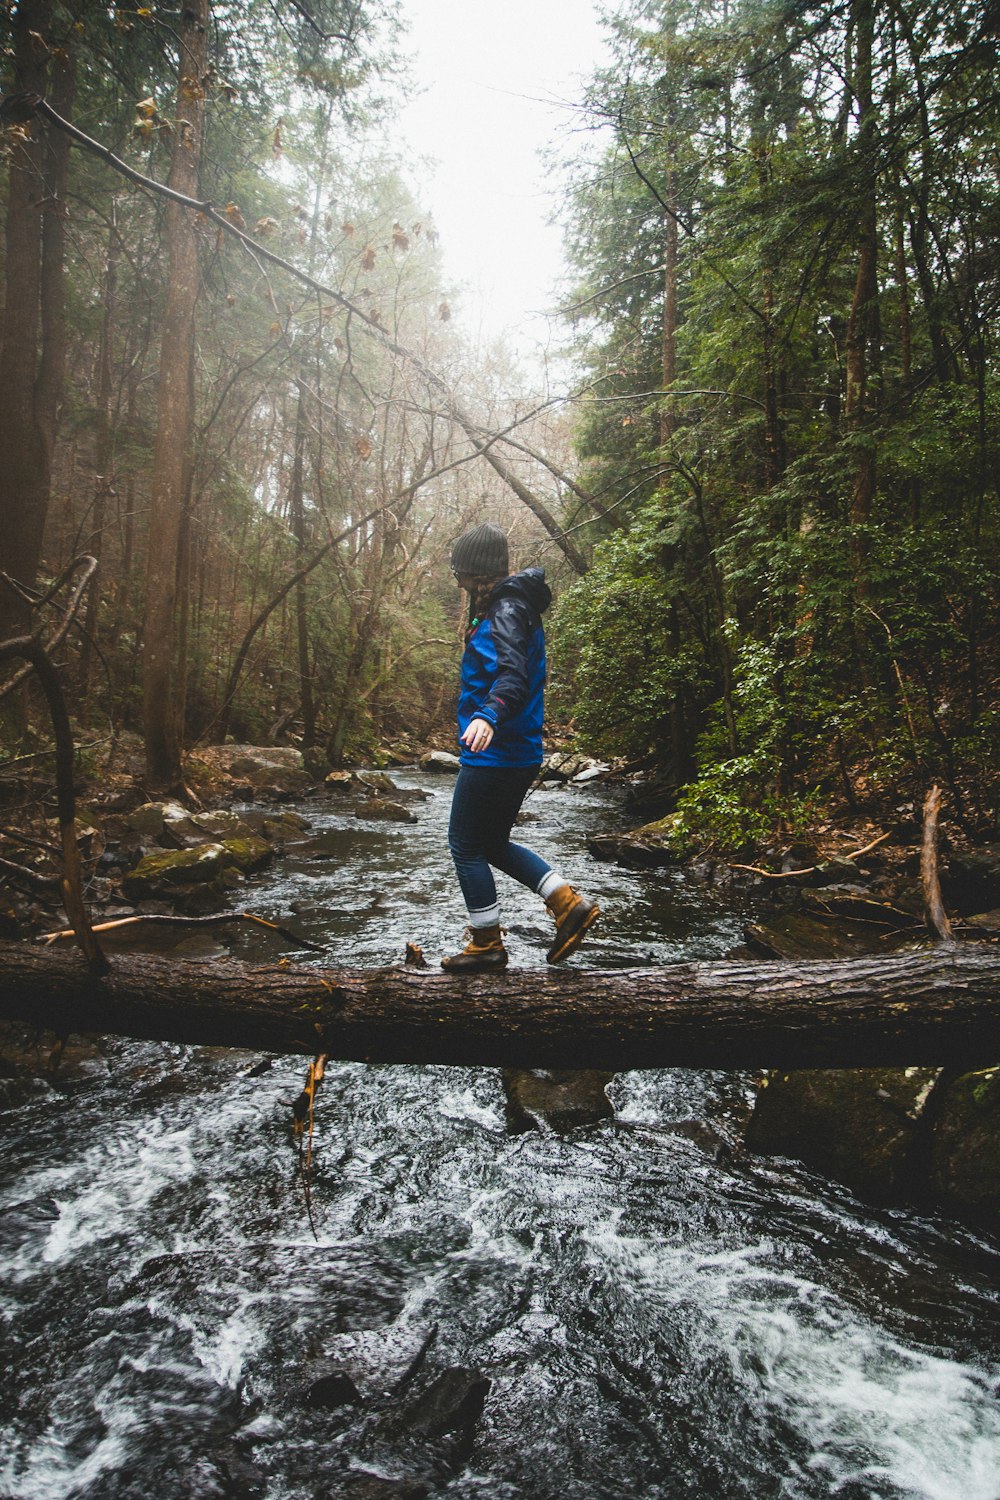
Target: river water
{"x": 656, "y": 1315}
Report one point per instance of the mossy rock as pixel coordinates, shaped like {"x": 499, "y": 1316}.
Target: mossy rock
{"x": 376, "y": 781}
{"x": 248, "y": 853}
{"x": 859, "y": 1125}
{"x": 221, "y": 824}
{"x": 283, "y": 825}
{"x": 965, "y": 1150}
{"x": 662, "y": 842}
{"x": 158, "y": 872}
{"x": 384, "y": 811}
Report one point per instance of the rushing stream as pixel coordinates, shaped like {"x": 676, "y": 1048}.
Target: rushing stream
{"x": 656, "y": 1316}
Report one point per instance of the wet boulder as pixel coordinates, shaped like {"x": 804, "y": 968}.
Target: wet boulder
{"x": 658, "y": 843}
{"x": 157, "y": 873}
{"x": 333, "y": 1390}
{"x": 440, "y": 762}
{"x": 376, "y": 781}
{"x": 220, "y": 824}
{"x": 361, "y": 1485}
{"x": 965, "y": 1149}
{"x": 807, "y": 935}
{"x": 561, "y": 1099}
{"x": 206, "y": 864}
{"x": 970, "y": 879}
{"x": 340, "y": 781}
{"x": 278, "y": 826}
{"x": 248, "y": 853}
{"x": 452, "y": 1403}
{"x": 862, "y": 1126}
{"x": 384, "y": 811}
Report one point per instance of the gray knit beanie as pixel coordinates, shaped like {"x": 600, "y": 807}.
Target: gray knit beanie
{"x": 481, "y": 552}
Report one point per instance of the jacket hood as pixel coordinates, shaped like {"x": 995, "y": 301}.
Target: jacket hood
{"x": 529, "y": 585}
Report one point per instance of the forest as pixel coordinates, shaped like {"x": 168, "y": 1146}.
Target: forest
{"x": 766, "y": 501}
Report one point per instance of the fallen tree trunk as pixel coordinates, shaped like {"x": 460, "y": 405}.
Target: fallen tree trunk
{"x": 941, "y": 1007}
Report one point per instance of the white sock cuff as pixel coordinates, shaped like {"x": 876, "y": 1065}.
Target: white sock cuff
{"x": 486, "y": 916}
{"x": 549, "y": 883}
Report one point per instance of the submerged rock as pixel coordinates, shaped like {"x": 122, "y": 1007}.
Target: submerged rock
{"x": 452, "y": 1403}
{"x": 561, "y": 1099}
{"x": 332, "y": 1391}
{"x": 361, "y": 1485}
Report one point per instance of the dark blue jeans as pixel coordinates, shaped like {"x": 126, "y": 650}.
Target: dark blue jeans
{"x": 487, "y": 799}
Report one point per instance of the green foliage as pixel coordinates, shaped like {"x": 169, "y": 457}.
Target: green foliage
{"x": 820, "y": 559}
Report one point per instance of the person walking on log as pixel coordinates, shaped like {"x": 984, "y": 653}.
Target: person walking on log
{"x": 500, "y": 712}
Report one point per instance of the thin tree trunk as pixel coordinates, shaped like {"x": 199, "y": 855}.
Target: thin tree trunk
{"x": 669, "y": 351}
{"x": 174, "y": 417}
{"x": 103, "y": 455}
{"x": 32, "y": 357}
{"x": 298, "y": 519}
{"x": 864, "y": 302}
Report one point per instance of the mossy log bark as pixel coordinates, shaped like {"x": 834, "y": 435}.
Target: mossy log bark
{"x": 936, "y": 1008}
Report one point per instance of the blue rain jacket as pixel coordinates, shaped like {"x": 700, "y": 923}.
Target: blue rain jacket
{"x": 503, "y": 672}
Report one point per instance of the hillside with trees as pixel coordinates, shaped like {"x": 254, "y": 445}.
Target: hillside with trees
{"x": 787, "y": 300}
{"x": 769, "y": 509}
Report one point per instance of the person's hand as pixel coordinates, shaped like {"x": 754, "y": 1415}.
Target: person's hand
{"x": 478, "y": 734}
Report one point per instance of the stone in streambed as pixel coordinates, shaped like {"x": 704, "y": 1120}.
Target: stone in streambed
{"x": 452, "y": 1403}
{"x": 965, "y": 1149}
{"x": 203, "y": 865}
{"x": 658, "y": 843}
{"x": 221, "y": 824}
{"x": 803, "y": 935}
{"x": 561, "y": 1099}
{"x": 174, "y": 867}
{"x": 440, "y": 762}
{"x": 385, "y": 812}
{"x": 360, "y": 1485}
{"x": 332, "y": 1391}
{"x": 862, "y": 1126}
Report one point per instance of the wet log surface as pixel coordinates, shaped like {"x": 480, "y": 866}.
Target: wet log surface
{"x": 941, "y": 1007}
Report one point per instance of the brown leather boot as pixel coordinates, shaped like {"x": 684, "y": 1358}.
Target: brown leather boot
{"x": 572, "y": 914}
{"x": 484, "y": 950}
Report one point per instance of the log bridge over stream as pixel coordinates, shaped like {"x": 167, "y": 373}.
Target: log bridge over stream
{"x": 939, "y": 1007}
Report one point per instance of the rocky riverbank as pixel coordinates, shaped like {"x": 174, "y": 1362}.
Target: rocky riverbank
{"x": 893, "y": 1135}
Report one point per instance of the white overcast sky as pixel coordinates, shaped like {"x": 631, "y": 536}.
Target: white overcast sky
{"x": 494, "y": 79}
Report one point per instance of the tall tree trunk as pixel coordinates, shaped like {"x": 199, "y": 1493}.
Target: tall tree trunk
{"x": 298, "y": 518}
{"x": 669, "y": 352}
{"x": 33, "y": 353}
{"x": 103, "y": 450}
{"x": 174, "y": 416}
{"x": 864, "y": 306}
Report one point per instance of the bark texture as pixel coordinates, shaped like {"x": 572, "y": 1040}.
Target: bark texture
{"x": 935, "y": 1008}
{"x": 174, "y": 413}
